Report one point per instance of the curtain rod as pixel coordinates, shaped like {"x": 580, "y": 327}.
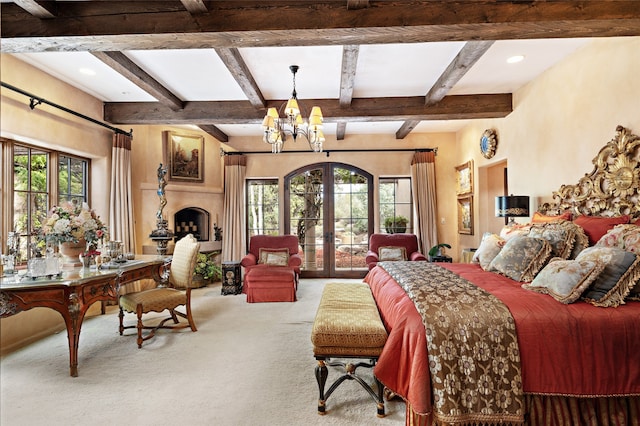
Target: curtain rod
{"x": 36, "y": 100}
{"x": 329, "y": 151}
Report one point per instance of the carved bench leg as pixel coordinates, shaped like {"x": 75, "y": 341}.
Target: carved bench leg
{"x": 321, "y": 376}
{"x": 380, "y": 402}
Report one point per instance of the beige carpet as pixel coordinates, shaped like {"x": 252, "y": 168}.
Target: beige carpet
{"x": 248, "y": 364}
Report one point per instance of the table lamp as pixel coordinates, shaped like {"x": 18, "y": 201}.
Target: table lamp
{"x": 512, "y": 206}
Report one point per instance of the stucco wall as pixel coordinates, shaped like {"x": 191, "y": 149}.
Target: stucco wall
{"x": 559, "y": 123}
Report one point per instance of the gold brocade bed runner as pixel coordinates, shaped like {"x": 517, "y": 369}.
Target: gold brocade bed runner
{"x": 474, "y": 358}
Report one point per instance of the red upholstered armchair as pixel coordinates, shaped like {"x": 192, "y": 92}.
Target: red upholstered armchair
{"x": 408, "y": 241}
{"x": 257, "y": 242}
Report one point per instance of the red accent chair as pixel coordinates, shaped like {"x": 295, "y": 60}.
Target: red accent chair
{"x": 408, "y": 241}
{"x": 270, "y": 283}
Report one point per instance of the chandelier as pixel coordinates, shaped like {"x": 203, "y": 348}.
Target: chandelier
{"x": 276, "y": 127}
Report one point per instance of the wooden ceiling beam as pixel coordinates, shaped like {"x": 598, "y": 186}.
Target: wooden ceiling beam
{"x": 130, "y": 70}
{"x": 39, "y": 9}
{"x": 111, "y": 26}
{"x": 347, "y": 80}
{"x": 241, "y": 73}
{"x": 461, "y": 64}
{"x": 357, "y": 4}
{"x": 215, "y": 132}
{"x": 361, "y": 110}
{"x": 194, "y": 7}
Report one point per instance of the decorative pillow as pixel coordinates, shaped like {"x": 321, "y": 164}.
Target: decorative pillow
{"x": 559, "y": 236}
{"x": 565, "y": 280}
{"x": 543, "y": 218}
{"x": 490, "y": 246}
{"x": 626, "y": 237}
{"x": 521, "y": 258}
{"x": 621, "y": 273}
{"x": 391, "y": 253}
{"x": 274, "y": 257}
{"x": 508, "y": 232}
{"x": 595, "y": 226}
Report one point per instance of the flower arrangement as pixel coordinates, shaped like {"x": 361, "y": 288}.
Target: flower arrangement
{"x": 71, "y": 222}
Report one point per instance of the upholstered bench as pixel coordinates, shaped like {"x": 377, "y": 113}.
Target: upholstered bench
{"x": 274, "y": 284}
{"x": 347, "y": 325}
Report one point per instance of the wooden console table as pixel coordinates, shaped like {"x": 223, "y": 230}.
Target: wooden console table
{"x": 72, "y": 294}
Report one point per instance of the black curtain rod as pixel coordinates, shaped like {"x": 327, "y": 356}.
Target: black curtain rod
{"x": 329, "y": 151}
{"x": 36, "y": 100}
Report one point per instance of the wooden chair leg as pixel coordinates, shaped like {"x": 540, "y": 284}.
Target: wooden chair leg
{"x": 121, "y": 315}
{"x": 140, "y": 326}
{"x": 192, "y": 323}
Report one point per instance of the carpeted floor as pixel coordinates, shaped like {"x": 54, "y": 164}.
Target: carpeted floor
{"x": 248, "y": 364}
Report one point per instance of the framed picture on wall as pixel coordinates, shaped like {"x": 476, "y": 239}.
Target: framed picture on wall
{"x": 464, "y": 178}
{"x": 184, "y": 157}
{"x": 465, "y": 215}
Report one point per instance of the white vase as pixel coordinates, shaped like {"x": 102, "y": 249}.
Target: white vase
{"x": 71, "y": 251}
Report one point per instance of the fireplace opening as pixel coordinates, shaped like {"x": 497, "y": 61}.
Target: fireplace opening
{"x": 192, "y": 220}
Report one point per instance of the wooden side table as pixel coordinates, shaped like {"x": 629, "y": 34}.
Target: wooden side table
{"x": 446, "y": 259}
{"x": 231, "y": 279}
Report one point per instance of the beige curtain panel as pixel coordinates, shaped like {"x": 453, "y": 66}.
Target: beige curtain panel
{"x": 121, "y": 205}
{"x": 233, "y": 224}
{"x": 423, "y": 188}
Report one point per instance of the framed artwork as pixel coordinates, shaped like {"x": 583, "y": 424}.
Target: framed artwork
{"x": 465, "y": 215}
{"x": 184, "y": 157}
{"x": 464, "y": 178}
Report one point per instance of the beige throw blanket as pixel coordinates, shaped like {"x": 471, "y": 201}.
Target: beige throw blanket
{"x": 472, "y": 344}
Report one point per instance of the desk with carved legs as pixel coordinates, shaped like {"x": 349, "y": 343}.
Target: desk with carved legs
{"x": 73, "y": 294}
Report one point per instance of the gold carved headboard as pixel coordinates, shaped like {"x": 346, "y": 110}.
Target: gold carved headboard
{"x": 611, "y": 189}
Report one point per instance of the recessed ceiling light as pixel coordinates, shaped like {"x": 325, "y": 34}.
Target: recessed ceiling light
{"x": 87, "y": 71}
{"x": 515, "y": 59}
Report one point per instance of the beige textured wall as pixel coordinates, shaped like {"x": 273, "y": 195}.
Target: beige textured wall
{"x": 146, "y": 156}
{"x": 560, "y": 122}
{"x": 49, "y": 127}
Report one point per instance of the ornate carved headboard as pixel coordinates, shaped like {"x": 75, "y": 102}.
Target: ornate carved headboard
{"x": 611, "y": 189}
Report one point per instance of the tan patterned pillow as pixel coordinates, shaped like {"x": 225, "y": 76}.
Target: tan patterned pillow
{"x": 565, "y": 280}
{"x": 490, "y": 246}
{"x": 561, "y": 237}
{"x": 521, "y": 258}
{"x": 274, "y": 257}
{"x": 391, "y": 253}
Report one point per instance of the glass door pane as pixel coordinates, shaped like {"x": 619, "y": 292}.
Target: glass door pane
{"x": 306, "y": 195}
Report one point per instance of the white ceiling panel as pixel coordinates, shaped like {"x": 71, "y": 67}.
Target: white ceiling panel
{"x": 492, "y": 73}
{"x": 105, "y": 84}
{"x": 401, "y": 69}
{"x": 317, "y": 78}
{"x": 191, "y": 75}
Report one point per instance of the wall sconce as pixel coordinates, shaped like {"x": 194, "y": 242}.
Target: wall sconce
{"x": 512, "y": 206}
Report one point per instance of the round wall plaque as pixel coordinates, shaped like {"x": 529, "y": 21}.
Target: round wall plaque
{"x": 488, "y": 143}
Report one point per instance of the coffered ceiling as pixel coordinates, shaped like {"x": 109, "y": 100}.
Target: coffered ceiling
{"x": 390, "y": 67}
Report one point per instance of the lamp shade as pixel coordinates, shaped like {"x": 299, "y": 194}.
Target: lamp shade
{"x": 512, "y": 206}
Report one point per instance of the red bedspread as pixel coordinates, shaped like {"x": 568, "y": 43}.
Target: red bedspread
{"x": 577, "y": 349}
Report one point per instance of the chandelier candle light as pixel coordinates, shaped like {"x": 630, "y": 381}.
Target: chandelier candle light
{"x": 276, "y": 127}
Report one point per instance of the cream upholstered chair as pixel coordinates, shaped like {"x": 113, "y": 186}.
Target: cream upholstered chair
{"x": 177, "y": 293}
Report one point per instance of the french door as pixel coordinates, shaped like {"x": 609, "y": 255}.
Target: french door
{"x": 329, "y": 206}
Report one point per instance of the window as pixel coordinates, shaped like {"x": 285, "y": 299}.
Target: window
{"x": 262, "y": 207}
{"x": 35, "y": 189}
{"x": 72, "y": 179}
{"x": 396, "y": 206}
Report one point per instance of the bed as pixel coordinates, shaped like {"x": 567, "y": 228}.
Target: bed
{"x": 469, "y": 345}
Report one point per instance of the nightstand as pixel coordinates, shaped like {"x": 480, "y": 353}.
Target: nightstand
{"x": 445, "y": 258}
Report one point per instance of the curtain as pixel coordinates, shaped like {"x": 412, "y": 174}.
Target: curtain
{"x": 233, "y": 223}
{"x": 423, "y": 188}
{"x": 121, "y": 205}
